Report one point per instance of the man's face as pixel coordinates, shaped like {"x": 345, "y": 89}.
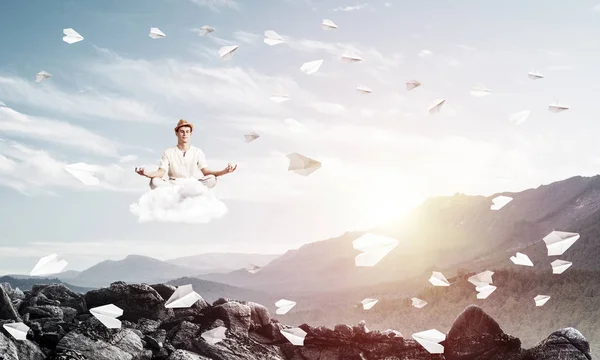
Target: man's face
{"x": 184, "y": 133}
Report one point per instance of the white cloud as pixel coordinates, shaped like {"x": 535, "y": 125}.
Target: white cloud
{"x": 350, "y": 8}
{"x": 328, "y": 108}
{"x": 187, "y": 201}
{"x": 215, "y": 5}
{"x": 425, "y": 52}
{"x": 247, "y": 37}
{"x": 596, "y": 8}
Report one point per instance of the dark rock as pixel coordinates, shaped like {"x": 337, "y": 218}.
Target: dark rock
{"x": 7, "y": 311}
{"x": 56, "y": 294}
{"x": 473, "y": 321}
{"x": 164, "y": 290}
{"x": 68, "y": 355}
{"x": 235, "y": 315}
{"x": 562, "y": 344}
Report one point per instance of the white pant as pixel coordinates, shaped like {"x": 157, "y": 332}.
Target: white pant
{"x": 209, "y": 181}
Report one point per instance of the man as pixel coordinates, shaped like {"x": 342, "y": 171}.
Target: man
{"x": 183, "y": 161}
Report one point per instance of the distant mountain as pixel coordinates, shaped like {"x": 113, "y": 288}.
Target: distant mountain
{"x": 64, "y": 276}
{"x": 27, "y": 284}
{"x": 444, "y": 233}
{"x": 222, "y": 262}
{"x": 211, "y": 291}
{"x": 132, "y": 269}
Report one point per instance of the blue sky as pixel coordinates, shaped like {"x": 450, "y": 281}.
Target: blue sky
{"x": 119, "y": 93}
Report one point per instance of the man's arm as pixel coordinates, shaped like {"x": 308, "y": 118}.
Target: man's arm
{"x": 162, "y": 168}
{"x": 158, "y": 173}
{"x": 206, "y": 171}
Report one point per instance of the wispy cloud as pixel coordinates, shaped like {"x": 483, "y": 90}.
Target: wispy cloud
{"x": 350, "y": 8}
{"x": 596, "y": 8}
{"x": 247, "y": 37}
{"x": 216, "y": 5}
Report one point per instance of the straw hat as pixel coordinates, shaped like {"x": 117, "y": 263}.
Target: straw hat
{"x": 183, "y": 123}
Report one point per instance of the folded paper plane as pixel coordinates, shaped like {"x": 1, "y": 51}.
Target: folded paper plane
{"x": 226, "y": 52}
{"x": 251, "y": 137}
{"x": 418, "y": 303}
{"x": 84, "y": 173}
{"x": 483, "y": 278}
{"x": 215, "y": 335}
{"x": 373, "y": 248}
{"x": 155, "y": 33}
{"x": 437, "y": 106}
{"x": 480, "y": 91}
{"x": 302, "y": 165}
{"x": 295, "y": 335}
{"x": 430, "y": 340}
{"x": 484, "y": 291}
{"x": 521, "y": 259}
{"x": 48, "y": 265}
{"x": 540, "y": 300}
{"x": 557, "y": 107}
{"x": 438, "y": 279}
{"x": 273, "y": 38}
{"x": 283, "y": 306}
{"x": 205, "y": 30}
{"x": 42, "y": 75}
{"x": 71, "y": 36}
{"x": 535, "y": 75}
{"x": 558, "y": 242}
{"x": 499, "y": 202}
{"x": 412, "y": 84}
{"x": 328, "y": 25}
{"x": 17, "y": 330}
{"x": 368, "y": 303}
{"x": 108, "y": 315}
{"x": 183, "y": 297}
{"x": 363, "y": 89}
{"x": 560, "y": 266}
{"x": 311, "y": 67}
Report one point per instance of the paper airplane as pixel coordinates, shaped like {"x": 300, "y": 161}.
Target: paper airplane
{"x": 108, "y": 315}
{"x": 430, "y": 340}
{"x": 273, "y": 38}
{"x": 48, "y": 265}
{"x": 483, "y": 278}
{"x": 418, "y": 303}
{"x": 363, "y": 89}
{"x": 83, "y": 172}
{"x": 412, "y": 84}
{"x": 499, "y": 202}
{"x": 253, "y": 269}
{"x": 558, "y": 242}
{"x": 205, "y": 30}
{"x": 155, "y": 33}
{"x": 373, "y": 248}
{"x": 556, "y": 108}
{"x": 368, "y": 303}
{"x": 540, "y": 300}
{"x": 251, "y": 137}
{"x": 485, "y": 291}
{"x": 17, "y": 330}
{"x": 534, "y": 75}
{"x": 215, "y": 335}
{"x": 183, "y": 297}
{"x": 519, "y": 117}
{"x": 71, "y": 36}
{"x": 41, "y": 76}
{"x": 279, "y": 98}
{"x": 226, "y": 52}
{"x": 311, "y": 67}
{"x": 480, "y": 91}
{"x": 328, "y": 25}
{"x": 437, "y": 106}
{"x": 559, "y": 266}
{"x": 302, "y": 165}
{"x": 295, "y": 335}
{"x": 521, "y": 259}
{"x": 438, "y": 279}
{"x": 283, "y": 306}
{"x": 350, "y": 57}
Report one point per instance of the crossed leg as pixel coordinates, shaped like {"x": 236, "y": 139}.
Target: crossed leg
{"x": 209, "y": 181}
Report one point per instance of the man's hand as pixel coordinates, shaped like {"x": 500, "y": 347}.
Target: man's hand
{"x": 229, "y": 169}
{"x": 141, "y": 171}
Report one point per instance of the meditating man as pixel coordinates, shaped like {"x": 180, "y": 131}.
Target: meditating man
{"x": 183, "y": 161}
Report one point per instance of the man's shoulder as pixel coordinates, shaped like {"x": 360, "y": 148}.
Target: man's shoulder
{"x": 170, "y": 149}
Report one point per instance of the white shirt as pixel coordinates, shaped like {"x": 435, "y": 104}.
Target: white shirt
{"x": 183, "y": 164}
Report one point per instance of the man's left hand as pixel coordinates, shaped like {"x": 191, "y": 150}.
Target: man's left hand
{"x": 229, "y": 169}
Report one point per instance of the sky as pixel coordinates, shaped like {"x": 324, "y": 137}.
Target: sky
{"x": 114, "y": 98}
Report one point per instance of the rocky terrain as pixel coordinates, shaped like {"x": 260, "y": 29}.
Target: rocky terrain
{"x": 62, "y": 328}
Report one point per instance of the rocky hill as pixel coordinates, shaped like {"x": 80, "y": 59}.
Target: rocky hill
{"x": 61, "y": 328}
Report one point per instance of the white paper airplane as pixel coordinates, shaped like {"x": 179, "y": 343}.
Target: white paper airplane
{"x": 253, "y": 269}
{"x": 42, "y": 75}
{"x": 84, "y": 173}
{"x": 302, "y": 165}
{"x": 519, "y": 117}
{"x": 328, "y": 25}
{"x": 283, "y": 306}
{"x": 521, "y": 259}
{"x": 412, "y": 84}
{"x": 215, "y": 335}
{"x": 534, "y": 75}
{"x": 251, "y": 137}
{"x": 48, "y": 265}
{"x": 155, "y": 33}
{"x": 71, "y": 36}
{"x": 295, "y": 335}
{"x": 350, "y": 57}
{"x": 559, "y": 266}
{"x": 480, "y": 91}
{"x": 17, "y": 330}
{"x": 226, "y": 52}
{"x": 556, "y": 108}
{"x": 430, "y": 340}
{"x": 418, "y": 303}
{"x": 499, "y": 202}
{"x": 311, "y": 67}
{"x": 558, "y": 242}
{"x": 273, "y": 38}
{"x": 107, "y": 315}
{"x": 373, "y": 248}
{"x": 540, "y": 300}
{"x": 437, "y": 106}
{"x": 183, "y": 297}
{"x": 438, "y": 279}
{"x": 279, "y": 98}
{"x": 483, "y": 278}
{"x": 368, "y": 303}
{"x": 485, "y": 291}
{"x": 205, "y": 30}
{"x": 363, "y": 89}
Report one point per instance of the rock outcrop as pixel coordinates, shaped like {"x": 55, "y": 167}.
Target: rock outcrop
{"x": 61, "y": 328}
